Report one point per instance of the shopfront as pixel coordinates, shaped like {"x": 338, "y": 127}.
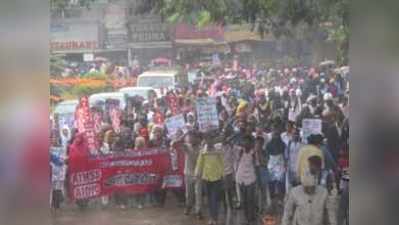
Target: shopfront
{"x": 75, "y": 39}
{"x": 149, "y": 38}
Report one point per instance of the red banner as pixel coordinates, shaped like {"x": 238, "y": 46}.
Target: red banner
{"x": 85, "y": 123}
{"x": 128, "y": 172}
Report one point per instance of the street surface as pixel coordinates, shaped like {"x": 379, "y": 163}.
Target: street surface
{"x": 171, "y": 214}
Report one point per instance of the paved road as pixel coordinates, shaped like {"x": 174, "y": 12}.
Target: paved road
{"x": 169, "y": 215}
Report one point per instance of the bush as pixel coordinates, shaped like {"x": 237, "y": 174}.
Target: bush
{"x": 87, "y": 90}
{"x": 96, "y": 75}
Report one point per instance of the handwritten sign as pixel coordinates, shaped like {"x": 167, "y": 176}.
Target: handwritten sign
{"x": 174, "y": 123}
{"x": 310, "y": 126}
{"x": 207, "y": 114}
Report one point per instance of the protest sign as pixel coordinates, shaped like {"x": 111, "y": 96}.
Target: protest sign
{"x": 174, "y": 123}
{"x": 310, "y": 126}
{"x": 85, "y": 124}
{"x": 207, "y": 114}
{"x": 130, "y": 171}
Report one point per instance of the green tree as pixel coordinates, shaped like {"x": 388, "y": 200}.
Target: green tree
{"x": 57, "y": 65}
{"x": 58, "y": 7}
{"x": 65, "y": 4}
{"x": 282, "y": 18}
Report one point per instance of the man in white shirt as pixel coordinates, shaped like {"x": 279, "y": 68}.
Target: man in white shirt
{"x": 307, "y": 204}
{"x": 289, "y": 133}
{"x": 291, "y": 156}
{"x": 246, "y": 177}
{"x": 191, "y": 149}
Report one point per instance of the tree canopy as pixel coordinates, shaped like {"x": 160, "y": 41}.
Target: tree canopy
{"x": 289, "y": 18}
{"x": 64, "y": 4}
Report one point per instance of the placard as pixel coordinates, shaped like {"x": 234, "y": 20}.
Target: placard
{"x": 174, "y": 123}
{"x": 207, "y": 114}
{"x": 310, "y": 126}
{"x": 85, "y": 123}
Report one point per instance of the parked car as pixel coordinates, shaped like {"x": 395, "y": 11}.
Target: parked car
{"x": 66, "y": 107}
{"x": 162, "y": 79}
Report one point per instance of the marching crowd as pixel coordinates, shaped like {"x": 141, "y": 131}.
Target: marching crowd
{"x": 260, "y": 160}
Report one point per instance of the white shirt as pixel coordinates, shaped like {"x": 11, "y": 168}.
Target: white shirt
{"x": 229, "y": 157}
{"x": 191, "y": 156}
{"x": 246, "y": 169}
{"x": 286, "y": 138}
{"x": 305, "y": 209}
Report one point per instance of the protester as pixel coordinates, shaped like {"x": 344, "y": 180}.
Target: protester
{"x": 210, "y": 169}
{"x": 307, "y": 204}
{"x": 291, "y": 156}
{"x": 276, "y": 164}
{"x": 58, "y": 174}
{"x": 271, "y": 216}
{"x": 264, "y": 105}
{"x": 246, "y": 177}
{"x": 193, "y": 186}
{"x": 307, "y": 151}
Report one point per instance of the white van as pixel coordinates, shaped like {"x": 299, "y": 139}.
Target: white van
{"x": 102, "y": 97}
{"x": 137, "y": 91}
{"x": 66, "y": 107}
{"x": 158, "y": 79}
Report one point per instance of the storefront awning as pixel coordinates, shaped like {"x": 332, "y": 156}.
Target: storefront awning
{"x": 140, "y": 45}
{"x": 197, "y": 42}
{"x": 239, "y": 36}
{"x": 82, "y": 51}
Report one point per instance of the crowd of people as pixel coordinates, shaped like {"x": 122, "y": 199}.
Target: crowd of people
{"x": 259, "y": 161}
